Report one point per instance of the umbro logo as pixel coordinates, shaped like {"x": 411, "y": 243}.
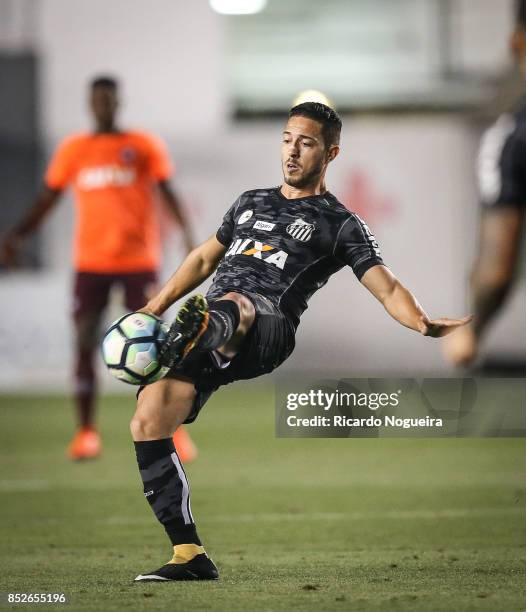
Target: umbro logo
{"x": 245, "y": 216}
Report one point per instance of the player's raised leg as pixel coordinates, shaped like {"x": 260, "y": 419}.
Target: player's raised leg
{"x": 219, "y": 326}
{"x": 161, "y": 408}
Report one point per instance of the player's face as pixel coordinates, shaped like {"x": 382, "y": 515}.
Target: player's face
{"x": 303, "y": 152}
{"x": 104, "y": 104}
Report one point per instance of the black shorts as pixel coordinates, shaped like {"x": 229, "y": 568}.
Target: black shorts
{"x": 268, "y": 343}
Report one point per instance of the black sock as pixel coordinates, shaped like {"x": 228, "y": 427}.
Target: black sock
{"x": 223, "y": 320}
{"x": 166, "y": 489}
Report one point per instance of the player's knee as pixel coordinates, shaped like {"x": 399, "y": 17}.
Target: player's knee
{"x": 137, "y": 427}
{"x": 247, "y": 312}
{"x": 86, "y": 339}
{"x": 143, "y": 421}
{"x": 161, "y": 408}
{"x": 86, "y": 335}
{"x": 144, "y": 428}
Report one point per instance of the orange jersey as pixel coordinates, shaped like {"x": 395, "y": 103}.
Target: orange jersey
{"x": 114, "y": 178}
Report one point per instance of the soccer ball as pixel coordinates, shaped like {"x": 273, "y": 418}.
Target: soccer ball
{"x": 130, "y": 348}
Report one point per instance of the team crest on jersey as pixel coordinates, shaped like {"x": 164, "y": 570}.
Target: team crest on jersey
{"x": 128, "y": 155}
{"x": 300, "y": 230}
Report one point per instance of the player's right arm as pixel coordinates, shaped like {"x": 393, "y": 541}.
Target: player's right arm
{"x": 13, "y": 241}
{"x": 197, "y": 267}
{"x": 58, "y": 175}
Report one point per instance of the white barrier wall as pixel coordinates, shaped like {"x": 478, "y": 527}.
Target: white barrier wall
{"x": 168, "y": 55}
{"x": 410, "y": 177}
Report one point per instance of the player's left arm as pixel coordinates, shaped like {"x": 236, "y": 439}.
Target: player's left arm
{"x": 496, "y": 266}
{"x": 402, "y": 305}
{"x": 502, "y": 190}
{"x": 161, "y": 171}
{"x": 173, "y": 204}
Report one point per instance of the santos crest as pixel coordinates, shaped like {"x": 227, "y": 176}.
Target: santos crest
{"x": 300, "y": 230}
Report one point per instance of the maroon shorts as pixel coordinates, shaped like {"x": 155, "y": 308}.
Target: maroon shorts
{"x": 91, "y": 290}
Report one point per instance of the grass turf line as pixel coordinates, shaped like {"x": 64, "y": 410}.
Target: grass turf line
{"x": 291, "y": 523}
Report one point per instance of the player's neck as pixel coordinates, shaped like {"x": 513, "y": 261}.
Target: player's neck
{"x": 109, "y": 128}
{"x": 290, "y": 192}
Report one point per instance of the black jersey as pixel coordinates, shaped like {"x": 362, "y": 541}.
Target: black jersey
{"x": 286, "y": 249}
{"x": 502, "y": 161}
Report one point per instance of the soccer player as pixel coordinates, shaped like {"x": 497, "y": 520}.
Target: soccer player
{"x": 273, "y": 250}
{"x": 502, "y": 187}
{"x": 116, "y": 176}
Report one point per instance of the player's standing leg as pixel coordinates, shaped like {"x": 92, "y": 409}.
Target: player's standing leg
{"x": 186, "y": 448}
{"x": 161, "y": 408}
{"x": 138, "y": 289}
{"x": 91, "y": 296}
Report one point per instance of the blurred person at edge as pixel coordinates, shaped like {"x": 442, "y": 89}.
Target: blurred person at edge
{"x": 117, "y": 176}
{"x": 502, "y": 187}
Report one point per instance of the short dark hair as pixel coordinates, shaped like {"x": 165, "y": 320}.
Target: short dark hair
{"x": 104, "y": 81}
{"x": 520, "y": 13}
{"x": 328, "y": 117}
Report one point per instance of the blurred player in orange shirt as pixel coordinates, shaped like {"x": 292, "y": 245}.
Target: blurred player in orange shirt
{"x": 116, "y": 176}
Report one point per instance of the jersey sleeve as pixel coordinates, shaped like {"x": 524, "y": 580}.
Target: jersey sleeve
{"x": 159, "y": 164}
{"x": 356, "y": 246}
{"x": 225, "y": 232}
{"x": 61, "y": 169}
{"x": 501, "y": 166}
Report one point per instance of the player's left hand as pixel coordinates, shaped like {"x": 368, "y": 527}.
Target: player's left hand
{"x": 437, "y": 328}
{"x": 461, "y": 349}
{"x": 9, "y": 250}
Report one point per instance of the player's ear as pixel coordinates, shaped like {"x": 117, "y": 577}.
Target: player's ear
{"x": 332, "y": 152}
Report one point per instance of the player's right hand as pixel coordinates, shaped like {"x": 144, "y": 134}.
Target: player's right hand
{"x": 148, "y": 311}
{"x": 9, "y": 249}
{"x": 462, "y": 347}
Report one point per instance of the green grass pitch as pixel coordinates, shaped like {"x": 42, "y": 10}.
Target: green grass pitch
{"x": 292, "y": 524}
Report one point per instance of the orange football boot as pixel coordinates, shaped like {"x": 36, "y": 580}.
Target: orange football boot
{"x": 184, "y": 445}
{"x": 86, "y": 444}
